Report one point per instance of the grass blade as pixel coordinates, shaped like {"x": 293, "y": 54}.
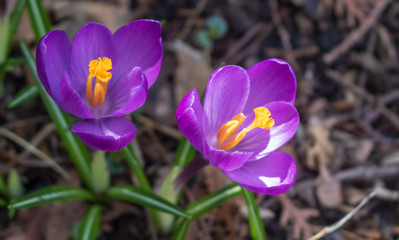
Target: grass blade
{"x": 50, "y": 195}
{"x": 14, "y": 22}
{"x": 202, "y": 206}
{"x": 90, "y": 226}
{"x": 24, "y": 95}
{"x": 145, "y": 198}
{"x": 39, "y": 19}
{"x": 209, "y": 202}
{"x": 181, "y": 230}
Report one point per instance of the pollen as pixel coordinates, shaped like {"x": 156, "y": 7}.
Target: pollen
{"x": 98, "y": 69}
{"x": 227, "y": 134}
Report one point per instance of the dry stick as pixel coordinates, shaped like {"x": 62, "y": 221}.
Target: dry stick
{"x": 170, "y": 132}
{"x": 340, "y": 223}
{"x": 296, "y": 53}
{"x": 254, "y": 46}
{"x": 353, "y": 174}
{"x": 284, "y": 35}
{"x": 391, "y": 116}
{"x": 243, "y": 41}
{"x": 40, "y": 136}
{"x": 35, "y": 151}
{"x": 358, "y": 34}
{"x": 186, "y": 29}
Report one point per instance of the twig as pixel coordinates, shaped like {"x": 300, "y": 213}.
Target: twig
{"x": 391, "y": 116}
{"x": 358, "y": 34}
{"x": 40, "y": 136}
{"x": 298, "y": 216}
{"x": 186, "y": 29}
{"x": 296, "y": 53}
{"x": 171, "y": 132}
{"x": 35, "y": 151}
{"x": 243, "y": 41}
{"x": 354, "y": 174}
{"x": 332, "y": 228}
{"x": 254, "y": 46}
{"x": 282, "y": 31}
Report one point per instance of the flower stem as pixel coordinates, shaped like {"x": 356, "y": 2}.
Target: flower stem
{"x": 255, "y": 221}
{"x": 136, "y": 167}
{"x": 138, "y": 171}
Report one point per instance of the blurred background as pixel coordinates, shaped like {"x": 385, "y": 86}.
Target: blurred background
{"x": 345, "y": 55}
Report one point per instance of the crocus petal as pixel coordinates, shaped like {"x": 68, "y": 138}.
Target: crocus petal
{"x": 73, "y": 103}
{"x": 139, "y": 44}
{"x": 107, "y": 134}
{"x": 128, "y": 95}
{"x": 52, "y": 60}
{"x": 271, "y": 80}
{"x": 225, "y": 97}
{"x": 273, "y": 174}
{"x": 189, "y": 119}
{"x": 255, "y": 141}
{"x": 286, "y": 121}
{"x": 92, "y": 41}
{"x": 224, "y": 160}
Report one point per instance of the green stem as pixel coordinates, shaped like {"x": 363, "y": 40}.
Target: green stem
{"x": 184, "y": 154}
{"x": 255, "y": 221}
{"x": 136, "y": 167}
{"x": 141, "y": 177}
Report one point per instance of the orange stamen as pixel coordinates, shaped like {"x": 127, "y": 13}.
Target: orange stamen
{"x": 98, "y": 69}
{"x": 227, "y": 136}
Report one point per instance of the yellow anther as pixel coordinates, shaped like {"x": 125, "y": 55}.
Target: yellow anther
{"x": 98, "y": 69}
{"x": 227, "y": 136}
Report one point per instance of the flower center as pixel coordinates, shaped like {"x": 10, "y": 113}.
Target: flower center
{"x": 227, "y": 136}
{"x": 98, "y": 69}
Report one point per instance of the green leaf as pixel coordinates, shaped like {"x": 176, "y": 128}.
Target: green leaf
{"x": 3, "y": 202}
{"x": 90, "y": 226}
{"x": 24, "y": 95}
{"x": 8, "y": 65}
{"x": 181, "y": 229}
{"x": 185, "y": 153}
{"x": 204, "y": 205}
{"x": 15, "y": 188}
{"x": 145, "y": 198}
{"x": 50, "y": 195}
{"x": 74, "y": 146}
{"x": 255, "y": 221}
{"x": 4, "y": 31}
{"x": 100, "y": 174}
{"x": 168, "y": 192}
{"x": 209, "y": 202}
{"x": 141, "y": 177}
{"x": 2, "y": 187}
{"x": 39, "y": 19}
{"x": 136, "y": 167}
{"x": 14, "y": 22}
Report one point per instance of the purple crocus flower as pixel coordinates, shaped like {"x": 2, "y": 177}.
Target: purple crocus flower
{"x": 101, "y": 77}
{"x": 247, "y": 115}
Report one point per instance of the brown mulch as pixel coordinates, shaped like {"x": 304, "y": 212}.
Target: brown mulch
{"x": 345, "y": 55}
